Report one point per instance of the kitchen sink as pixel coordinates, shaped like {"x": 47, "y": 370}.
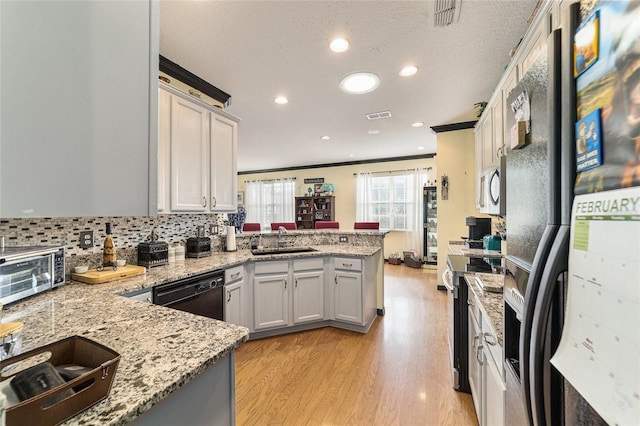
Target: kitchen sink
{"x": 282, "y": 250}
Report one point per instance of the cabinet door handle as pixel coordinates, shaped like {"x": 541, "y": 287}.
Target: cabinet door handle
{"x": 204, "y": 201}
{"x": 491, "y": 342}
{"x": 214, "y": 202}
{"x": 475, "y": 339}
{"x": 296, "y": 282}
{"x": 285, "y": 283}
{"x": 228, "y": 296}
{"x": 469, "y": 302}
{"x": 479, "y": 355}
{"x": 336, "y": 279}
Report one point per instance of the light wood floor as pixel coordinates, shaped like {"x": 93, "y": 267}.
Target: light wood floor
{"x": 397, "y": 374}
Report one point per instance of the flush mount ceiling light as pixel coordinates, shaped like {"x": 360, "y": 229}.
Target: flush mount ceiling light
{"x": 359, "y": 83}
{"x": 351, "y": 155}
{"x": 420, "y": 148}
{"x": 325, "y": 138}
{"x": 281, "y": 100}
{"x": 373, "y": 131}
{"x": 417, "y": 124}
{"x": 339, "y": 45}
{"x": 408, "y": 71}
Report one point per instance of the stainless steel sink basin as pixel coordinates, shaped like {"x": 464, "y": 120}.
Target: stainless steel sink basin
{"x": 282, "y": 250}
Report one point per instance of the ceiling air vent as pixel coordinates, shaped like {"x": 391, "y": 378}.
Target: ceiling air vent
{"x": 445, "y": 12}
{"x": 378, "y": 115}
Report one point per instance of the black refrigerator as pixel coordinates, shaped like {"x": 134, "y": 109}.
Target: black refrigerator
{"x": 551, "y": 221}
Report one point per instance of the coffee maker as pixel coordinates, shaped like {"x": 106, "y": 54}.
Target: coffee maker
{"x": 478, "y": 228}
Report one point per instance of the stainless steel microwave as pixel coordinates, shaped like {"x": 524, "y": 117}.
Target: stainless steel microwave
{"x": 25, "y": 271}
{"x": 493, "y": 190}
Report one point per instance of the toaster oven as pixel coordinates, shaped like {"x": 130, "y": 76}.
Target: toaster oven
{"x": 25, "y": 271}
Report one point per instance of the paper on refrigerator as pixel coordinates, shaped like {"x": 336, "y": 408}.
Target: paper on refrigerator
{"x": 599, "y": 350}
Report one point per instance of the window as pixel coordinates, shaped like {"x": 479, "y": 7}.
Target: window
{"x": 270, "y": 201}
{"x": 391, "y": 199}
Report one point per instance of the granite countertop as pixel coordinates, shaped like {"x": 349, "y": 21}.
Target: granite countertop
{"x": 161, "y": 349}
{"x": 458, "y": 247}
{"x": 218, "y": 260}
{"x": 491, "y": 305}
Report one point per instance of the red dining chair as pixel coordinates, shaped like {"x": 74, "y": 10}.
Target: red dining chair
{"x": 290, "y": 226}
{"x": 366, "y": 225}
{"x": 327, "y": 224}
{"x": 251, "y": 227}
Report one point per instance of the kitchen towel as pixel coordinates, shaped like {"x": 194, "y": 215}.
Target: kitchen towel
{"x": 231, "y": 238}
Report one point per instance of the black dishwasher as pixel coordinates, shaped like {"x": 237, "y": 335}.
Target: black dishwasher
{"x": 200, "y": 295}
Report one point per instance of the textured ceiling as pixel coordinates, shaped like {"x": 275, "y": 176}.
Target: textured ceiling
{"x": 257, "y": 50}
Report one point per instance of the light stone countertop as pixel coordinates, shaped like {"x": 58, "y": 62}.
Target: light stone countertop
{"x": 491, "y": 304}
{"x": 161, "y": 349}
{"x": 458, "y": 247}
{"x": 218, "y": 260}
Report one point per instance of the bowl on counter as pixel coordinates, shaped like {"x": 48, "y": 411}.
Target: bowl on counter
{"x": 80, "y": 269}
{"x": 121, "y": 262}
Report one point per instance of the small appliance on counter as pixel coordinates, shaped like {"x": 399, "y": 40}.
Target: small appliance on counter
{"x": 478, "y": 228}
{"x": 25, "y": 271}
{"x": 491, "y": 242}
{"x": 199, "y": 246}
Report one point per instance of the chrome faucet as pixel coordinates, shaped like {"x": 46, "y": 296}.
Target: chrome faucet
{"x": 281, "y": 230}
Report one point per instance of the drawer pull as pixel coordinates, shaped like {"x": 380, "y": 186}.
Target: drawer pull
{"x": 492, "y": 341}
{"x": 347, "y": 265}
{"x": 470, "y": 303}
{"x": 236, "y": 275}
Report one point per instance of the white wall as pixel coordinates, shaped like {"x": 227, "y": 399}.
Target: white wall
{"x": 456, "y": 160}
{"x": 345, "y": 182}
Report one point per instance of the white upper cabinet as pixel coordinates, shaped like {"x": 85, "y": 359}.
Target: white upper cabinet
{"x": 189, "y": 155}
{"x": 79, "y": 108}
{"x": 224, "y": 163}
{"x": 164, "y": 149}
{"x": 197, "y": 155}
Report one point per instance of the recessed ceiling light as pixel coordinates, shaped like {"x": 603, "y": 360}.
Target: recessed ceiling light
{"x": 417, "y": 124}
{"x": 420, "y": 148}
{"x": 281, "y": 100}
{"x": 351, "y": 155}
{"x": 408, "y": 71}
{"x": 373, "y": 131}
{"x": 339, "y": 45}
{"x": 325, "y": 138}
{"x": 359, "y": 83}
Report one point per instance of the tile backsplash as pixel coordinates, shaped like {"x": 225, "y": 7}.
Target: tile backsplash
{"x": 127, "y": 232}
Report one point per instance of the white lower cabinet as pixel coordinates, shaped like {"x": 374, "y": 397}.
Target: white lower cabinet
{"x": 348, "y": 301}
{"x": 271, "y": 294}
{"x": 475, "y": 363}
{"x": 308, "y": 290}
{"x": 234, "y": 296}
{"x": 486, "y": 378}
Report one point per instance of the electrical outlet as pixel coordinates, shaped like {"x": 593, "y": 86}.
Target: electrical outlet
{"x": 344, "y": 239}
{"x": 86, "y": 239}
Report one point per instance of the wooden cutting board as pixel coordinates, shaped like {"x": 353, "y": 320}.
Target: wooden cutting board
{"x": 93, "y": 276}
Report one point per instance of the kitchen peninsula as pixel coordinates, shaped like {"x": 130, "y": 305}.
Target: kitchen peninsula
{"x": 166, "y": 353}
